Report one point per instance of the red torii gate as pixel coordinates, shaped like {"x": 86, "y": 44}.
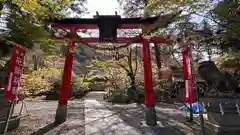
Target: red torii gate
{"x": 107, "y": 25}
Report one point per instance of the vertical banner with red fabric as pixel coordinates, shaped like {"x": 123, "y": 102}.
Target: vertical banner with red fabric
{"x": 14, "y": 73}
{"x": 189, "y": 93}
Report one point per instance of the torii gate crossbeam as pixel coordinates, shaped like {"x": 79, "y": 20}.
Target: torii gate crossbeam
{"x": 107, "y": 26}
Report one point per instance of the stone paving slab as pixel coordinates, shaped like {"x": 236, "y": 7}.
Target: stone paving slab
{"x": 101, "y": 121}
{"x": 104, "y": 119}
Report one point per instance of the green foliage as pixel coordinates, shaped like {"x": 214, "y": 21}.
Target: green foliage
{"x": 96, "y": 64}
{"x": 51, "y": 46}
{"x": 23, "y": 31}
{"x": 136, "y": 7}
{"x": 27, "y": 25}
{"x": 35, "y": 82}
{"x": 230, "y": 61}
{"x": 94, "y": 78}
{"x": 79, "y": 88}
{"x": 228, "y": 27}
{"x": 42, "y": 9}
{"x": 176, "y": 5}
{"x": 47, "y": 80}
{"x": 118, "y": 96}
{"x": 81, "y": 83}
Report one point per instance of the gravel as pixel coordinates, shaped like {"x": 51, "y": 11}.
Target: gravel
{"x": 42, "y": 115}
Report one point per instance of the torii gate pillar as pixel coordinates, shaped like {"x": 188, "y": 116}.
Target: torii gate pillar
{"x": 151, "y": 118}
{"x": 61, "y": 113}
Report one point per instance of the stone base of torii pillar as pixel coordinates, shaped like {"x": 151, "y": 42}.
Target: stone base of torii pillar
{"x": 61, "y": 114}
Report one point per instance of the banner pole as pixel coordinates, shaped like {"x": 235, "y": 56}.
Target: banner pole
{"x": 8, "y": 117}
{"x": 14, "y": 75}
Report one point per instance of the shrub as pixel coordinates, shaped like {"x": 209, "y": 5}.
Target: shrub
{"x": 94, "y": 78}
{"x": 41, "y": 82}
{"x": 80, "y": 88}
{"x": 33, "y": 83}
{"x": 117, "y": 96}
{"x": 47, "y": 81}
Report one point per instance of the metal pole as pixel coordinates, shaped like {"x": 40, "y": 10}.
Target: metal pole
{"x": 191, "y": 113}
{"x": 8, "y": 117}
{"x": 200, "y": 113}
{"x": 191, "y": 108}
{"x": 201, "y": 123}
{"x": 198, "y": 90}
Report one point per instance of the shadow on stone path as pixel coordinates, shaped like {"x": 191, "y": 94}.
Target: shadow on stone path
{"x": 102, "y": 118}
{"x": 44, "y": 129}
{"x": 93, "y": 116}
{"x": 74, "y": 124}
{"x": 135, "y": 118}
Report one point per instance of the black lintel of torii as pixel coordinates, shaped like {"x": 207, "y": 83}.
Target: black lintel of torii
{"x": 97, "y": 19}
{"x": 108, "y": 24}
{"x": 137, "y": 20}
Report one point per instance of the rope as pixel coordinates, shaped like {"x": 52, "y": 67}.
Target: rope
{"x": 138, "y": 38}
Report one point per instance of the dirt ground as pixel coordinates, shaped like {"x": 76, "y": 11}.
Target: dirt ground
{"x": 42, "y": 115}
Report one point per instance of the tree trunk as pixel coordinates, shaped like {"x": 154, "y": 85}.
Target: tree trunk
{"x": 35, "y": 62}
{"x": 131, "y": 75}
{"x": 157, "y": 49}
{"x": 158, "y": 59}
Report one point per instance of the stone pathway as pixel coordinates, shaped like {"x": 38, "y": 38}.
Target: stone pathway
{"x": 101, "y": 121}
{"x": 93, "y": 116}
{"x": 102, "y": 118}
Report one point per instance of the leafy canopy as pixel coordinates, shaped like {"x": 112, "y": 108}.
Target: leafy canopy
{"x": 26, "y": 20}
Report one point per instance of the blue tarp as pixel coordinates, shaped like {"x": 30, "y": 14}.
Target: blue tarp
{"x": 99, "y": 73}
{"x": 196, "y": 107}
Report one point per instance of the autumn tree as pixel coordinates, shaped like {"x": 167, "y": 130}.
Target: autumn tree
{"x": 27, "y": 22}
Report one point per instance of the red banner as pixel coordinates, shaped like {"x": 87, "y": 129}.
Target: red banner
{"x": 189, "y": 93}
{"x": 14, "y": 73}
